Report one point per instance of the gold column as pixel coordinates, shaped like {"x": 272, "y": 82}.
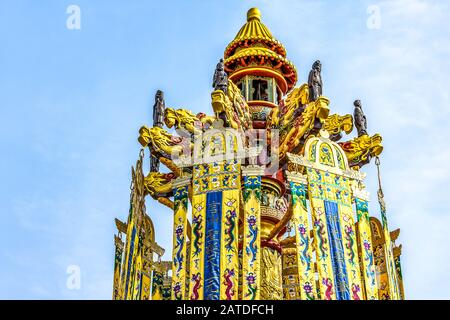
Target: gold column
{"x": 251, "y": 252}
{"x": 179, "y": 253}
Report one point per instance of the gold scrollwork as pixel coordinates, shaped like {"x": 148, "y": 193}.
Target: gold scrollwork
{"x": 233, "y": 106}
{"x": 301, "y": 125}
{"x": 157, "y": 184}
{"x": 185, "y": 119}
{"x": 336, "y": 124}
{"x": 159, "y": 140}
{"x": 271, "y": 275}
{"x": 360, "y": 150}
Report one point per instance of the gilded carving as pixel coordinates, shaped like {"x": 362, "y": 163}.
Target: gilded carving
{"x": 231, "y": 107}
{"x": 360, "y": 150}
{"x": 292, "y": 133}
{"x": 271, "y": 275}
{"x": 160, "y": 141}
{"x": 185, "y": 119}
{"x": 336, "y": 124}
{"x": 158, "y": 184}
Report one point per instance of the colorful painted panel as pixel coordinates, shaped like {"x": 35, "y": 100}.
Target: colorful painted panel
{"x": 326, "y": 156}
{"x": 216, "y": 177}
{"x": 197, "y": 247}
{"x": 365, "y": 243}
{"x": 340, "y": 158}
{"x": 338, "y": 190}
{"x": 305, "y": 265}
{"x": 179, "y": 253}
{"x": 350, "y": 242}
{"x": 312, "y": 151}
{"x": 330, "y": 194}
{"x": 252, "y": 238}
{"x": 215, "y": 263}
{"x": 212, "y": 246}
{"x": 229, "y": 264}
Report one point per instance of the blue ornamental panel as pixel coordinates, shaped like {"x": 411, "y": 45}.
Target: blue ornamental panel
{"x": 337, "y": 251}
{"x": 212, "y": 246}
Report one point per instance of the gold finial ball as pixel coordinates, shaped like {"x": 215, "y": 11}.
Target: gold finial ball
{"x": 254, "y": 13}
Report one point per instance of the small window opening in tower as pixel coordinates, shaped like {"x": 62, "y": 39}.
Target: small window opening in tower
{"x": 260, "y": 90}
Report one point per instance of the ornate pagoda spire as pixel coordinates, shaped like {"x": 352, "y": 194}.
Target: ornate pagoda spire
{"x": 255, "y": 48}
{"x": 256, "y": 62}
{"x": 236, "y": 193}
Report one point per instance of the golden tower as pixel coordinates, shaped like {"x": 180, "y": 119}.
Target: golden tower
{"x": 267, "y": 201}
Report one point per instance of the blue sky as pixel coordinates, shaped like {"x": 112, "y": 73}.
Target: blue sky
{"x": 72, "y": 101}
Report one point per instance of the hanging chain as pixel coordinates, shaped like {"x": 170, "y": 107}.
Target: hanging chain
{"x": 380, "y": 189}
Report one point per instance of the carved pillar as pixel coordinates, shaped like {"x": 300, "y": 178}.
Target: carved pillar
{"x": 251, "y": 252}
{"x": 196, "y": 284}
{"x": 323, "y": 246}
{"x": 214, "y": 249}
{"x": 179, "y": 253}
